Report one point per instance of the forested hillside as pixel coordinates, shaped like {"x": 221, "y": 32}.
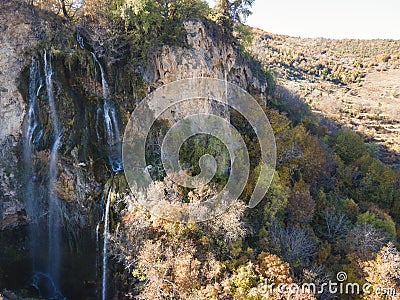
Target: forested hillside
{"x": 353, "y": 82}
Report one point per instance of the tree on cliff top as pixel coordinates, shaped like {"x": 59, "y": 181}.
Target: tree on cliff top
{"x": 68, "y": 8}
{"x": 152, "y": 21}
{"x": 227, "y": 12}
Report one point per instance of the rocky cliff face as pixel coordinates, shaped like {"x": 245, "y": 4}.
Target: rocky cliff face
{"x": 206, "y": 56}
{"x": 17, "y": 37}
{"x": 79, "y": 93}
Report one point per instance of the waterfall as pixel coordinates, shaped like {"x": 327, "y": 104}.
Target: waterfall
{"x": 79, "y": 39}
{"x": 97, "y": 249}
{"x": 110, "y": 121}
{"x": 48, "y": 70}
{"x": 112, "y": 139}
{"x": 54, "y": 216}
{"x": 105, "y": 244}
{"x": 99, "y": 112}
{"x": 104, "y": 83}
{"x": 32, "y": 134}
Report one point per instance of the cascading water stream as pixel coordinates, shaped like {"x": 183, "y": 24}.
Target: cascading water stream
{"x": 79, "y": 39}
{"x": 104, "y": 84}
{"x": 112, "y": 138}
{"x": 111, "y": 126}
{"x": 54, "y": 216}
{"x": 105, "y": 245}
{"x": 32, "y": 135}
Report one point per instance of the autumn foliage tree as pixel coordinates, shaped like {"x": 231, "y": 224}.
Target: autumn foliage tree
{"x": 383, "y": 274}
{"x": 301, "y": 205}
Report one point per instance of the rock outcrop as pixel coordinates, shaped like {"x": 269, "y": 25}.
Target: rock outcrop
{"x": 17, "y": 37}
{"x": 206, "y": 55}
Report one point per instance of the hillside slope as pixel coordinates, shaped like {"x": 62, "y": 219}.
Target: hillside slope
{"x": 354, "y": 82}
